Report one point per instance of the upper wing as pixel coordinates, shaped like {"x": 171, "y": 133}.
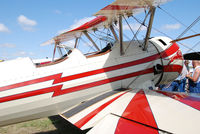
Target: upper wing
{"x": 127, "y": 8}
{"x": 106, "y": 16}
{"x": 138, "y": 111}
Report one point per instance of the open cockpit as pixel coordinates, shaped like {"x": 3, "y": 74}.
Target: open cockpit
{"x": 64, "y": 52}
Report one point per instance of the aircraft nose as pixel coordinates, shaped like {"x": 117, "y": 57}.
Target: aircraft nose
{"x": 177, "y": 56}
{"x": 172, "y": 64}
{"x": 176, "y": 61}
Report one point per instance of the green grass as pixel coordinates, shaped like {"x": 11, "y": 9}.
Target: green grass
{"x": 29, "y": 127}
{"x": 51, "y": 125}
{"x": 41, "y": 123}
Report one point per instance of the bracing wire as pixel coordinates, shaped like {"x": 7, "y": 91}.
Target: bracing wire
{"x": 91, "y": 47}
{"x": 157, "y": 30}
{"x": 123, "y": 33}
{"x": 142, "y": 24}
{"x": 175, "y": 18}
{"x": 194, "y": 46}
{"x": 189, "y": 27}
{"x": 139, "y": 21}
{"x": 134, "y": 34}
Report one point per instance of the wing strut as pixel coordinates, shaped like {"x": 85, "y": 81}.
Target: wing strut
{"x": 54, "y": 51}
{"x": 152, "y": 10}
{"x": 60, "y": 52}
{"x": 87, "y": 35}
{"x": 114, "y": 33}
{"x": 121, "y": 35}
{"x": 76, "y": 42}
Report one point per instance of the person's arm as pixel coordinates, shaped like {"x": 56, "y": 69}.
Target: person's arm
{"x": 196, "y": 75}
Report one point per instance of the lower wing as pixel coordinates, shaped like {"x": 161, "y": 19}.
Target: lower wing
{"x": 138, "y": 111}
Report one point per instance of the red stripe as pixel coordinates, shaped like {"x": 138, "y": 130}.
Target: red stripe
{"x": 30, "y": 94}
{"x": 59, "y": 91}
{"x": 57, "y": 77}
{"x": 101, "y": 82}
{"x": 118, "y": 7}
{"x": 173, "y": 68}
{"x": 107, "y": 69}
{"x": 88, "y": 117}
{"x": 139, "y": 111}
{"x": 171, "y": 50}
{"x": 52, "y": 77}
{"x": 188, "y": 100}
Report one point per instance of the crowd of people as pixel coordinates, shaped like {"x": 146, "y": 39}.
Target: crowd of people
{"x": 187, "y": 81}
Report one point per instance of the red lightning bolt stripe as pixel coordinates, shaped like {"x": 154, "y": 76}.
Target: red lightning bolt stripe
{"x": 168, "y": 68}
{"x": 101, "y": 82}
{"x": 30, "y": 94}
{"x": 35, "y": 81}
{"x": 59, "y": 91}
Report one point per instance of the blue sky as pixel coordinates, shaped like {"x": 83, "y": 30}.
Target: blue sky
{"x": 25, "y": 24}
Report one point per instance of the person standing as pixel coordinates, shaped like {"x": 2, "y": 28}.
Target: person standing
{"x": 184, "y": 85}
{"x": 182, "y": 77}
{"x": 194, "y": 79}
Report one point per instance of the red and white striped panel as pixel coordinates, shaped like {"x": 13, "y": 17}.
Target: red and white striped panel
{"x": 141, "y": 111}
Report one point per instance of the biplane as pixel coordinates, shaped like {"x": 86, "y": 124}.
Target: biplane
{"x": 109, "y": 90}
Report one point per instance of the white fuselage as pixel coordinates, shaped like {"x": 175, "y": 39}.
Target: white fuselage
{"x": 28, "y": 91}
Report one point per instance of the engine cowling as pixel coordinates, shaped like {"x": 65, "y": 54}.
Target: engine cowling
{"x": 171, "y": 60}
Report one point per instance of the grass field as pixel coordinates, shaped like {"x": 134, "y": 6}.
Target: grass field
{"x": 51, "y": 125}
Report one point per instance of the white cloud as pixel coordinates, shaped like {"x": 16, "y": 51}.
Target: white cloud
{"x": 171, "y": 26}
{"x": 26, "y": 23}
{"x": 23, "y": 54}
{"x": 31, "y": 53}
{"x": 57, "y": 12}
{"x": 26, "y": 28}
{"x": 134, "y": 27}
{"x": 8, "y": 45}
{"x": 76, "y": 24}
{"x": 3, "y": 28}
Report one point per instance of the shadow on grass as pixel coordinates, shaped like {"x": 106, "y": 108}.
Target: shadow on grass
{"x": 63, "y": 127}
